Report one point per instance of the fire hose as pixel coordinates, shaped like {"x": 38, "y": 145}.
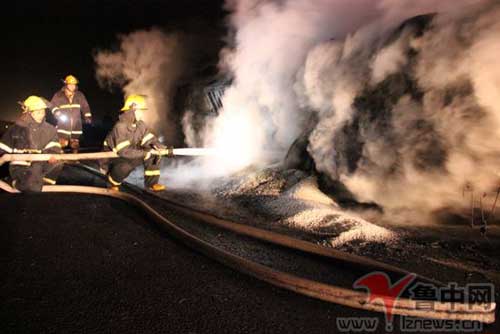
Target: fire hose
{"x": 102, "y": 155}
{"x": 483, "y": 312}
{"x": 61, "y": 157}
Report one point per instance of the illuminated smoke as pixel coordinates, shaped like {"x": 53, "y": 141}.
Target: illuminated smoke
{"x": 148, "y": 62}
{"x": 425, "y": 132}
{"x": 188, "y": 129}
{"x": 262, "y": 115}
{"x": 294, "y": 58}
{"x": 264, "y": 109}
{"x": 434, "y": 126}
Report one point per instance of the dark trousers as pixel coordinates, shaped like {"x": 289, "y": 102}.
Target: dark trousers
{"x": 32, "y": 178}
{"x": 71, "y": 127}
{"x": 120, "y": 168}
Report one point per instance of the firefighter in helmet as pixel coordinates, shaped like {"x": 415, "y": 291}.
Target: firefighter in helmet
{"x": 135, "y": 144}
{"x": 68, "y": 106}
{"x": 31, "y": 134}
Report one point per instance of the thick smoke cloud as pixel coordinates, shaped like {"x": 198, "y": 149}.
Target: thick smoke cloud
{"x": 148, "y": 62}
{"x": 438, "y": 135}
{"x": 272, "y": 40}
{"x": 406, "y": 115}
{"x": 262, "y": 112}
{"x": 405, "y": 118}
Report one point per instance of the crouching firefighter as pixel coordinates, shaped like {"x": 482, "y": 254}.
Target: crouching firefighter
{"x": 31, "y": 134}
{"x": 135, "y": 145}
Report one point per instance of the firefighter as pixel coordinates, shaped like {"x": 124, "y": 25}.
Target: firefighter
{"x": 68, "y": 105}
{"x": 135, "y": 144}
{"x": 31, "y": 134}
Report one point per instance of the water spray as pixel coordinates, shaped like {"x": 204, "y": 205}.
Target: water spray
{"x": 196, "y": 152}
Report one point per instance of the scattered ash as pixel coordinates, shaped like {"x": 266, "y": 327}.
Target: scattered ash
{"x": 291, "y": 202}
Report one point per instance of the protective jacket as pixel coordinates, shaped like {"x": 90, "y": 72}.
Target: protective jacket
{"x": 70, "y": 111}
{"x": 132, "y": 141}
{"x": 28, "y": 136}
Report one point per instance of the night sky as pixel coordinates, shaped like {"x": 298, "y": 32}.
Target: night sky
{"x": 46, "y": 40}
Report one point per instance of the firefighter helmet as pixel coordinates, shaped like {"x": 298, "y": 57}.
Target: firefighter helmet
{"x": 71, "y": 80}
{"x": 135, "y": 102}
{"x": 34, "y": 103}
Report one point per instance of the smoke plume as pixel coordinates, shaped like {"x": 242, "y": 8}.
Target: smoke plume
{"x": 148, "y": 62}
{"x": 421, "y": 112}
{"x": 407, "y": 114}
{"x": 262, "y": 114}
{"x": 264, "y": 110}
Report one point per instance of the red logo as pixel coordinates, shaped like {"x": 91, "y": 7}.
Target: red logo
{"x": 379, "y": 286}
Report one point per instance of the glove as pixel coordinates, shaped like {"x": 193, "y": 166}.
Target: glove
{"x": 155, "y": 152}
{"x": 170, "y": 151}
{"x": 52, "y": 160}
{"x": 88, "y": 120}
{"x": 163, "y": 150}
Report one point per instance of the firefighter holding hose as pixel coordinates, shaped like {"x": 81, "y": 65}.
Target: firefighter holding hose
{"x": 135, "y": 145}
{"x": 68, "y": 107}
{"x": 31, "y": 134}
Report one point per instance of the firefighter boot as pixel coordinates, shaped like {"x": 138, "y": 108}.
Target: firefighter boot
{"x": 157, "y": 187}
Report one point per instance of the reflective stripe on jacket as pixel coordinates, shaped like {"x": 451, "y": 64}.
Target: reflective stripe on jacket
{"x": 130, "y": 139}
{"x": 28, "y": 136}
{"x": 74, "y": 110}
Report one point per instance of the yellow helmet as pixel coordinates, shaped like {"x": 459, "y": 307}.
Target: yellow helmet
{"x": 71, "y": 80}
{"x": 135, "y": 101}
{"x": 34, "y": 103}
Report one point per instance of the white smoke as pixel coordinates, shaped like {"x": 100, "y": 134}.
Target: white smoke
{"x": 272, "y": 42}
{"x": 148, "y": 62}
{"x": 390, "y": 59}
{"x": 417, "y": 146}
{"x": 262, "y": 113}
{"x": 292, "y": 58}
{"x": 419, "y": 152}
{"x": 188, "y": 129}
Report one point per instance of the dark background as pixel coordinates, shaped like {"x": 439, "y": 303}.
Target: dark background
{"x": 44, "y": 41}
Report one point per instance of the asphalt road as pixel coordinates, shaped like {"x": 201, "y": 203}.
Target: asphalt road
{"x": 81, "y": 264}
{"x": 72, "y": 263}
